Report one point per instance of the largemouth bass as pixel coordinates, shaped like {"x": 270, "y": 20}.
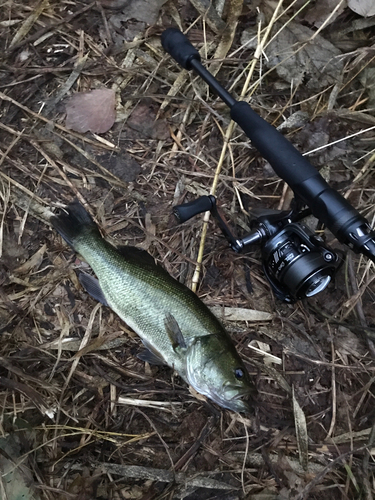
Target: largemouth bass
{"x": 174, "y": 324}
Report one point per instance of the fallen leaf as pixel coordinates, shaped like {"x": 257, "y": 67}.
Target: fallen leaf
{"x": 93, "y": 111}
{"x": 321, "y": 10}
{"x": 122, "y": 165}
{"x": 298, "y": 58}
{"x": 367, "y": 79}
{"x": 296, "y": 120}
{"x": 141, "y": 10}
{"x": 265, "y": 350}
{"x": 364, "y": 8}
{"x": 16, "y": 477}
{"x": 72, "y": 344}
{"x": 33, "y": 263}
{"x": 143, "y": 120}
{"x": 150, "y": 232}
{"x": 12, "y": 252}
{"x": 301, "y": 432}
{"x": 273, "y": 374}
{"x": 240, "y": 314}
{"x": 348, "y": 344}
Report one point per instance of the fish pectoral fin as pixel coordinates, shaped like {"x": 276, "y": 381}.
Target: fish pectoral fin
{"x": 92, "y": 287}
{"x": 150, "y": 355}
{"x": 174, "y": 332}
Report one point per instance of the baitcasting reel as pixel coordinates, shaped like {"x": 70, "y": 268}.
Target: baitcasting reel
{"x": 295, "y": 261}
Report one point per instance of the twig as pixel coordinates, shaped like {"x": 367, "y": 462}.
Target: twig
{"x": 319, "y": 477}
{"x": 207, "y": 428}
{"x": 49, "y": 27}
{"x": 333, "y": 382}
{"x": 365, "y": 464}
{"x": 226, "y": 140}
{"x": 358, "y": 304}
{"x": 162, "y": 475}
{"x": 209, "y": 14}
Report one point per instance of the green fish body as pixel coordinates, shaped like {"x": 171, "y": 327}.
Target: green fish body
{"x": 173, "y": 323}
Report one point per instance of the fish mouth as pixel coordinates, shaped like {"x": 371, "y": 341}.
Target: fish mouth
{"x": 240, "y": 402}
{"x": 237, "y": 404}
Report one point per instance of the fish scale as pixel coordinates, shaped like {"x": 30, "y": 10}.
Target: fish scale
{"x": 171, "y": 320}
{"x": 134, "y": 286}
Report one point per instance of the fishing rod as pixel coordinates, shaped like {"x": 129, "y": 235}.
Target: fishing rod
{"x": 296, "y": 262}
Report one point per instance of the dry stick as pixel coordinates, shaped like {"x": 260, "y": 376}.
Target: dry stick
{"x": 226, "y": 40}
{"x": 351, "y": 441}
{"x": 25, "y": 215}
{"x": 304, "y": 495}
{"x": 257, "y": 82}
{"x": 333, "y": 382}
{"x": 75, "y": 361}
{"x": 166, "y": 447}
{"x": 27, "y": 208}
{"x": 73, "y": 77}
{"x": 245, "y": 457}
{"x": 209, "y": 14}
{"x": 31, "y": 201}
{"x": 369, "y": 163}
{"x": 160, "y": 475}
{"x": 358, "y": 304}
{"x": 6, "y": 196}
{"x": 345, "y": 139}
{"x": 186, "y": 457}
{"x": 62, "y": 174}
{"x": 244, "y": 45}
{"x": 29, "y": 22}
{"x": 49, "y": 27}
{"x": 27, "y": 200}
{"x": 227, "y": 138}
{"x": 365, "y": 464}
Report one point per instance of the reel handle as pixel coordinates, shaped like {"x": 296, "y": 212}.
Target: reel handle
{"x": 186, "y": 211}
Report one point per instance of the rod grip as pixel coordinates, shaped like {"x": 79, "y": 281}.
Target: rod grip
{"x": 179, "y": 47}
{"x": 285, "y": 159}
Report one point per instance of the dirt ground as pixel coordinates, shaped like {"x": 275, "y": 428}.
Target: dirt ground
{"x": 81, "y": 417}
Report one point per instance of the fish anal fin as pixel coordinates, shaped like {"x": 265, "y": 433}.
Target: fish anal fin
{"x": 92, "y": 287}
{"x": 151, "y": 355}
{"x": 174, "y": 332}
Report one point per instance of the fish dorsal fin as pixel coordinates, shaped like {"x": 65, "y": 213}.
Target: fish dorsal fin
{"x": 150, "y": 355}
{"x": 135, "y": 253}
{"x": 174, "y": 332}
{"x": 92, "y": 287}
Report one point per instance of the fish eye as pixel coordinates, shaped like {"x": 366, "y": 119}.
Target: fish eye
{"x": 239, "y": 373}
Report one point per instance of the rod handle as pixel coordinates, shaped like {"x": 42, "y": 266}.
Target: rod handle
{"x": 179, "y": 47}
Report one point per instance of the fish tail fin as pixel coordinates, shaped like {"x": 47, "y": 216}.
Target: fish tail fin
{"x": 72, "y": 222}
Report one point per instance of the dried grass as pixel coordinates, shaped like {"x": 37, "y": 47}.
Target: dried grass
{"x": 90, "y": 419}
